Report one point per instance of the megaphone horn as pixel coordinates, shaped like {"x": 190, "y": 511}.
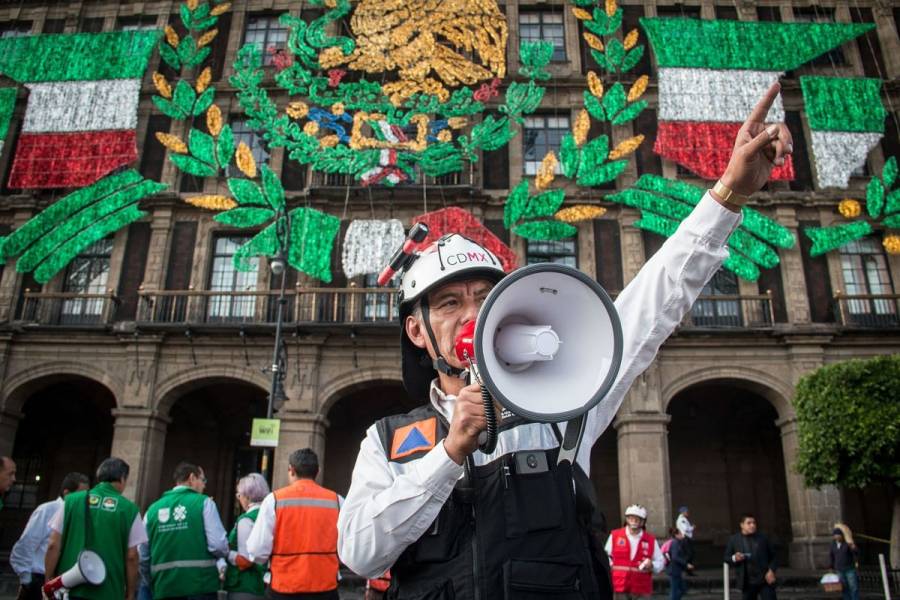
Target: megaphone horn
{"x": 89, "y": 568}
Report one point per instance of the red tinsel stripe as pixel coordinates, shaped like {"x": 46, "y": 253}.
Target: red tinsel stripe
{"x": 62, "y": 160}
{"x": 458, "y": 220}
{"x": 705, "y": 148}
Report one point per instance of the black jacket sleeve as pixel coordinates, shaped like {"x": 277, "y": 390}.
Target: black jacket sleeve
{"x": 770, "y": 550}
{"x": 729, "y": 551}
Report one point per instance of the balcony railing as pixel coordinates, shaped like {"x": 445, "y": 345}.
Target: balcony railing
{"x": 731, "y": 311}
{"x": 303, "y": 305}
{"x": 68, "y": 308}
{"x": 340, "y": 180}
{"x": 868, "y": 310}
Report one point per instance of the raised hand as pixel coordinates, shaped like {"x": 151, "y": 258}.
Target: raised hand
{"x": 758, "y": 149}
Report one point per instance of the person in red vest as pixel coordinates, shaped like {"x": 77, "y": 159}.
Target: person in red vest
{"x": 634, "y": 556}
{"x": 296, "y": 531}
{"x": 377, "y": 587}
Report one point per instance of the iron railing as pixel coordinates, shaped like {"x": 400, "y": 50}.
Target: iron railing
{"x": 68, "y": 308}
{"x": 868, "y": 310}
{"x": 732, "y": 311}
{"x": 340, "y": 180}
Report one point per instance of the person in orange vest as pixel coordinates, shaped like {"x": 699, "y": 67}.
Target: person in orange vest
{"x": 634, "y": 556}
{"x": 296, "y": 531}
{"x": 376, "y": 588}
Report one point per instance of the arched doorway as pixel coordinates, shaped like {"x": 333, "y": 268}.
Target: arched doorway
{"x": 605, "y": 476}
{"x": 210, "y": 426}
{"x": 67, "y": 425}
{"x": 726, "y": 459}
{"x": 348, "y": 420}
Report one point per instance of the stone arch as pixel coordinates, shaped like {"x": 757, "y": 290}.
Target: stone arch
{"x": 760, "y": 382}
{"x": 176, "y": 385}
{"x": 19, "y": 387}
{"x": 352, "y": 381}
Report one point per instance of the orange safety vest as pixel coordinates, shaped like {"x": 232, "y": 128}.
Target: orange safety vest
{"x": 380, "y": 584}
{"x": 304, "y": 547}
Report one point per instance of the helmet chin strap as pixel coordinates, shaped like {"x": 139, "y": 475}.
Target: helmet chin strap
{"x": 440, "y": 363}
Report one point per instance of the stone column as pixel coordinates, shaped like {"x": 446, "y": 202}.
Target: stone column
{"x": 298, "y": 430}
{"x": 9, "y": 424}
{"x": 139, "y": 436}
{"x": 792, "y": 275}
{"x": 813, "y": 512}
{"x": 632, "y": 245}
{"x": 644, "y": 467}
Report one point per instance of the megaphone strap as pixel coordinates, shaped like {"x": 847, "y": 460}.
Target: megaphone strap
{"x": 440, "y": 363}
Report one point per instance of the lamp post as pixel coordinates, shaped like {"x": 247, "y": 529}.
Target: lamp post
{"x": 278, "y": 266}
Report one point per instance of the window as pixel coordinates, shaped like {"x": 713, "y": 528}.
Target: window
{"x": 225, "y": 278}
{"x": 802, "y": 173}
{"x": 869, "y": 47}
{"x": 726, "y": 12}
{"x": 54, "y": 26}
{"x": 865, "y": 272}
{"x": 93, "y": 25}
{"x": 771, "y": 14}
{"x": 819, "y": 14}
{"x": 678, "y": 10}
{"x": 711, "y": 312}
{"x": 137, "y": 23}
{"x": 15, "y": 29}
{"x": 542, "y": 133}
{"x": 243, "y": 133}
{"x": 379, "y": 306}
{"x": 562, "y": 252}
{"x": 87, "y": 274}
{"x": 267, "y": 33}
{"x": 547, "y": 26}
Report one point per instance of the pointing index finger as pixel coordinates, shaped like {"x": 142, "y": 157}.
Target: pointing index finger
{"x": 761, "y": 110}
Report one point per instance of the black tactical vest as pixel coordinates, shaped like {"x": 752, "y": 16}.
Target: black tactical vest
{"x": 512, "y": 529}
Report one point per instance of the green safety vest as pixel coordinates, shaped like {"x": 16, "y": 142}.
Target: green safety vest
{"x": 112, "y": 516}
{"x": 250, "y": 580}
{"x": 180, "y": 563}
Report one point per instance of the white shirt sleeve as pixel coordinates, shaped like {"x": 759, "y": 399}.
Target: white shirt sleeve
{"x": 138, "y": 533}
{"x": 659, "y": 561}
{"x": 656, "y": 300}
{"x": 384, "y": 513}
{"x": 27, "y": 556}
{"x": 608, "y": 548}
{"x": 259, "y": 544}
{"x": 216, "y": 538}
{"x": 56, "y": 522}
{"x": 243, "y": 532}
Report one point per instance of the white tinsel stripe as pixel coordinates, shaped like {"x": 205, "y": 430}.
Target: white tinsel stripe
{"x": 369, "y": 245}
{"x": 82, "y": 106}
{"x": 720, "y": 96}
{"x": 837, "y": 154}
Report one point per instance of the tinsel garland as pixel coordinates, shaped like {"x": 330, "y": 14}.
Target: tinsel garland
{"x": 709, "y": 95}
{"x": 77, "y": 56}
{"x": 849, "y": 208}
{"x": 753, "y": 45}
{"x": 826, "y": 239}
{"x": 49, "y": 240}
{"x": 7, "y": 106}
{"x": 545, "y": 230}
{"x": 369, "y": 244}
{"x": 579, "y": 212}
{"x": 82, "y": 105}
{"x": 837, "y": 154}
{"x": 457, "y": 220}
{"x": 891, "y": 244}
{"x": 843, "y": 104}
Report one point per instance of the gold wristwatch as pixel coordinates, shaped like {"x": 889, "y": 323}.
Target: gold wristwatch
{"x": 728, "y": 196}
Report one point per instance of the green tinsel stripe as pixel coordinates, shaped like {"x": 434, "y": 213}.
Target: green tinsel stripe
{"x": 85, "y": 219}
{"x": 762, "y": 46}
{"x": 656, "y": 224}
{"x": 767, "y": 229}
{"x": 647, "y": 201}
{"x": 843, "y": 104}
{"x": 670, "y": 187}
{"x": 77, "y": 56}
{"x": 7, "y": 104}
{"x": 312, "y": 238}
{"x": 741, "y": 266}
{"x": 50, "y": 217}
{"x": 757, "y": 251}
{"x": 826, "y": 239}
{"x": 65, "y": 253}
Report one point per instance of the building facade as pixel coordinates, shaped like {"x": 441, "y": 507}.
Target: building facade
{"x": 151, "y": 347}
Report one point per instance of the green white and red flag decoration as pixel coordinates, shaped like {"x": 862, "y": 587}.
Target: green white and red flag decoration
{"x": 711, "y": 73}
{"x": 7, "y": 105}
{"x": 81, "y": 115}
{"x": 369, "y": 245}
{"x": 846, "y": 120}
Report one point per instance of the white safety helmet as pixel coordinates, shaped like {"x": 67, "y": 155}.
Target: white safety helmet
{"x": 636, "y": 510}
{"x": 451, "y": 258}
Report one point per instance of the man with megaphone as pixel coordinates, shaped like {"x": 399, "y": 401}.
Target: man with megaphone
{"x": 95, "y": 539}
{"x": 458, "y": 514}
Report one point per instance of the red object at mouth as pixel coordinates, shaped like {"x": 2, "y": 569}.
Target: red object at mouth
{"x": 465, "y": 343}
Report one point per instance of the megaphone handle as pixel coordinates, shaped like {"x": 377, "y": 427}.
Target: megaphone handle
{"x": 487, "y": 439}
{"x": 568, "y": 449}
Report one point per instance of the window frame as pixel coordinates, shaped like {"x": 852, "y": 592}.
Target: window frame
{"x": 547, "y": 145}
{"x": 272, "y": 26}
{"x": 867, "y": 311}
{"x": 227, "y": 308}
{"x": 552, "y": 251}
{"x": 541, "y": 13}
{"x": 83, "y": 311}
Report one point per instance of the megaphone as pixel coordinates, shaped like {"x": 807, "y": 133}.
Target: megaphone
{"x": 548, "y": 346}
{"x": 89, "y": 568}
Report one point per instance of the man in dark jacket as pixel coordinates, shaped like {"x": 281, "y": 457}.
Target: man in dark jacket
{"x": 753, "y": 557}
{"x": 679, "y": 563}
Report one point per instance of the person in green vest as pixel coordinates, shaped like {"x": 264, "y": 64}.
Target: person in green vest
{"x": 103, "y": 520}
{"x": 186, "y": 538}
{"x": 243, "y": 577}
{"x": 7, "y": 476}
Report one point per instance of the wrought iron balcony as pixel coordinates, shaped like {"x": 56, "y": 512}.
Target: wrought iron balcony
{"x": 731, "y": 312}
{"x": 868, "y": 310}
{"x": 68, "y": 308}
{"x": 339, "y": 180}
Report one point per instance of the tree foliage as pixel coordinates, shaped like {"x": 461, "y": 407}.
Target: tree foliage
{"x": 849, "y": 423}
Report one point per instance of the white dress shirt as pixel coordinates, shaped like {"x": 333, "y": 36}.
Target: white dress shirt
{"x": 390, "y": 505}
{"x": 27, "y": 555}
{"x": 137, "y": 535}
{"x": 659, "y": 561}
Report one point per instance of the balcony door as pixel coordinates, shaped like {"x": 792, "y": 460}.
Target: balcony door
{"x": 231, "y": 307}
{"x": 710, "y": 311}
{"x": 865, "y": 271}
{"x": 88, "y": 273}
